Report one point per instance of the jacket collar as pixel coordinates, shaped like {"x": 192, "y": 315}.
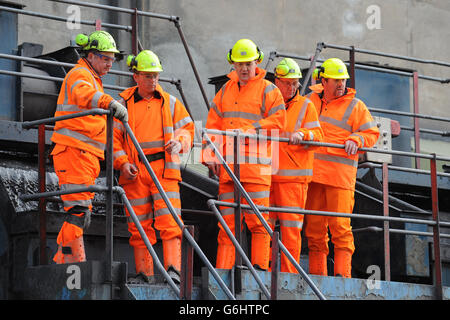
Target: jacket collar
{"x": 132, "y": 91}
{"x": 83, "y": 62}
{"x": 318, "y": 89}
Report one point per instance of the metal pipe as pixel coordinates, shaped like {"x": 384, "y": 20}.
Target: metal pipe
{"x": 64, "y": 19}
{"x": 96, "y": 111}
{"x": 410, "y": 114}
{"x": 331, "y": 145}
{"x": 261, "y": 218}
{"x": 144, "y": 237}
{"x": 337, "y": 214}
{"x": 312, "y": 66}
{"x": 36, "y": 196}
{"x": 389, "y": 55}
{"x": 412, "y": 170}
{"x": 240, "y": 251}
{"x": 174, "y": 19}
{"x": 35, "y": 76}
{"x": 109, "y": 229}
{"x": 118, "y": 9}
{"x": 387, "y": 247}
{"x": 401, "y": 231}
{"x": 174, "y": 214}
{"x": 371, "y": 68}
{"x": 436, "y": 231}
{"x": 176, "y": 82}
{"x": 42, "y": 201}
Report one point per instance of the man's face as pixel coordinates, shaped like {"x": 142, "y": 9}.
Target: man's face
{"x": 147, "y": 81}
{"x": 101, "y": 61}
{"x": 288, "y": 87}
{"x": 334, "y": 88}
{"x": 245, "y": 70}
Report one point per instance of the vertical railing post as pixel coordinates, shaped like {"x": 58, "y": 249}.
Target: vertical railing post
{"x": 436, "y": 229}
{"x": 109, "y": 202}
{"x": 42, "y": 201}
{"x": 237, "y": 215}
{"x": 312, "y": 66}
{"x": 387, "y": 255}
{"x": 352, "y": 67}
{"x": 134, "y": 32}
{"x": 416, "y": 119}
{"x": 187, "y": 266}
{"x": 274, "y": 267}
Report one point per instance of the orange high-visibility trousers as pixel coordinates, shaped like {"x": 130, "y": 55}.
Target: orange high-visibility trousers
{"x": 260, "y": 238}
{"x": 328, "y": 198}
{"x": 150, "y": 207}
{"x": 75, "y": 168}
{"x": 290, "y": 195}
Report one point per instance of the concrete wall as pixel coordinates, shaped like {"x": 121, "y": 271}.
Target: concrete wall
{"x": 417, "y": 28}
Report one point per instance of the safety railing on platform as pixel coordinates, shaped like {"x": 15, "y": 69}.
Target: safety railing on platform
{"x": 109, "y": 189}
{"x": 435, "y": 223}
{"x": 135, "y": 40}
{"x": 352, "y": 67}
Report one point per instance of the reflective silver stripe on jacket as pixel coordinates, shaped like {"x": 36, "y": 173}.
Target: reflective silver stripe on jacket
{"x": 70, "y": 203}
{"x": 242, "y": 115}
{"x": 291, "y": 224}
{"x": 141, "y": 217}
{"x": 81, "y": 137}
{"x": 166, "y": 211}
{"x": 301, "y": 115}
{"x": 118, "y": 154}
{"x": 294, "y": 172}
{"x": 152, "y": 144}
{"x": 267, "y": 89}
{"x": 336, "y": 159}
{"x": 343, "y": 122}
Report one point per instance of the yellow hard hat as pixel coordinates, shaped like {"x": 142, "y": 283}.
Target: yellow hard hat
{"x": 288, "y": 69}
{"x": 98, "y": 40}
{"x": 245, "y": 50}
{"x": 333, "y": 68}
{"x": 145, "y": 61}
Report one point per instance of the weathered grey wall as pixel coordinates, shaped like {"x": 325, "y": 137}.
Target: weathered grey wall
{"x": 418, "y": 28}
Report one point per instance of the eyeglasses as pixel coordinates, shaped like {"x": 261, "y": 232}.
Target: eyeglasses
{"x": 106, "y": 59}
{"x": 152, "y": 76}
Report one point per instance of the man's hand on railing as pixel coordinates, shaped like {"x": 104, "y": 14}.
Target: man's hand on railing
{"x": 120, "y": 112}
{"x": 296, "y": 138}
{"x": 128, "y": 171}
{"x": 350, "y": 147}
{"x": 173, "y": 146}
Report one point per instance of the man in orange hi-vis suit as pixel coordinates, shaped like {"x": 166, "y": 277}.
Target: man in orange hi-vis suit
{"x": 290, "y": 179}
{"x": 251, "y": 104}
{"x": 80, "y": 142}
{"x": 163, "y": 128}
{"x": 345, "y": 120}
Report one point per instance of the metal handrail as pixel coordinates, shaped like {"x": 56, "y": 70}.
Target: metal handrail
{"x": 63, "y": 19}
{"x": 435, "y": 223}
{"x": 255, "y": 209}
{"x": 172, "y": 211}
{"x": 174, "y": 19}
{"x": 147, "y": 242}
{"x": 95, "y": 188}
{"x": 331, "y": 145}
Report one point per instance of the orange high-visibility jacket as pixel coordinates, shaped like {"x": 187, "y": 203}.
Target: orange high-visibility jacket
{"x": 82, "y": 89}
{"x": 153, "y": 123}
{"x": 256, "y": 106}
{"x": 345, "y": 118}
{"x": 295, "y": 163}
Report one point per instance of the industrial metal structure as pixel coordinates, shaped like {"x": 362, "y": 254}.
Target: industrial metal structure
{"x": 401, "y": 218}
